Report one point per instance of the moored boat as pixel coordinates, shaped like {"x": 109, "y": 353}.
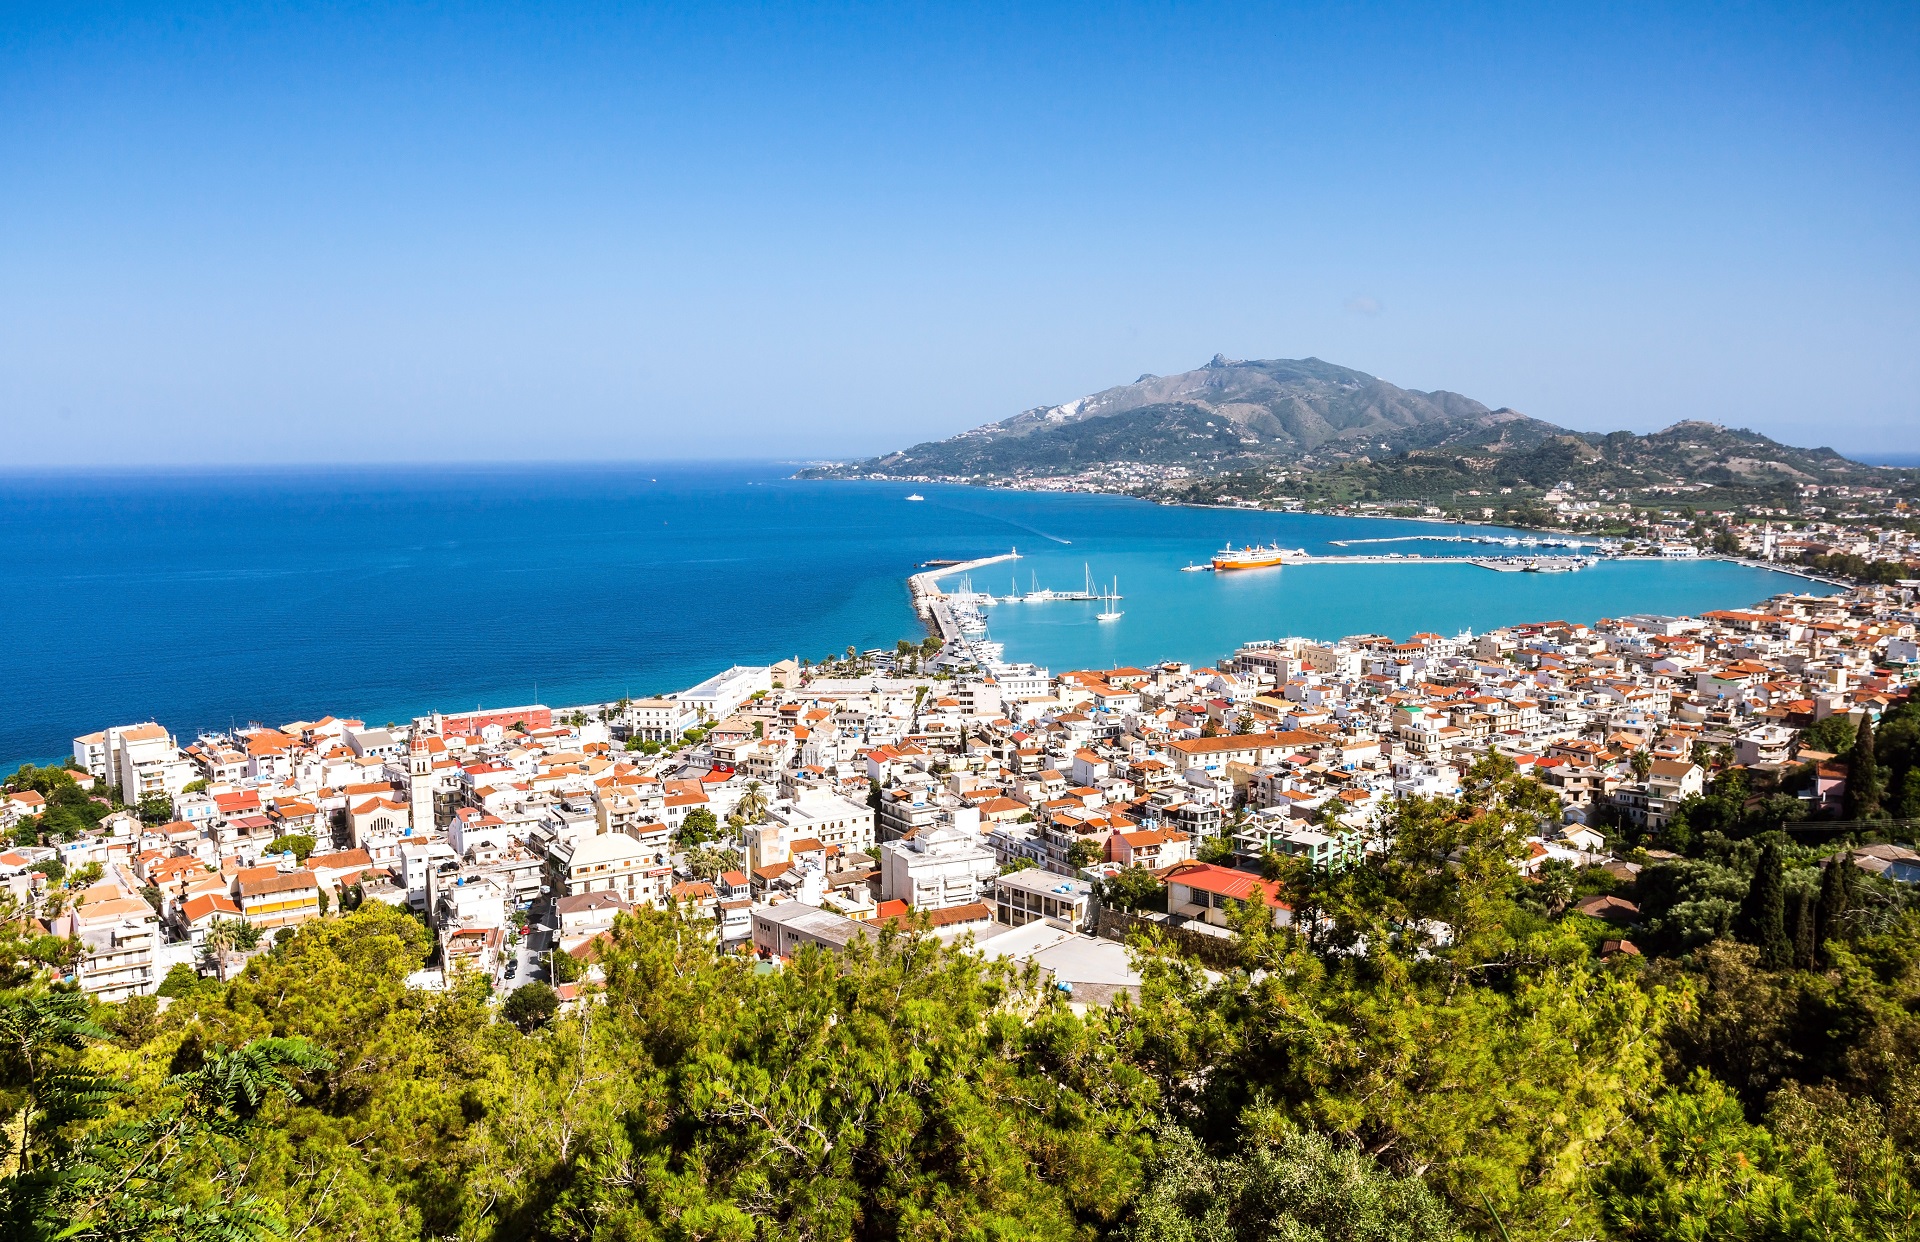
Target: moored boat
{"x": 1249, "y": 556}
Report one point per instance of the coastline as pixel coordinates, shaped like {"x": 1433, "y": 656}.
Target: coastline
{"x": 692, "y": 571}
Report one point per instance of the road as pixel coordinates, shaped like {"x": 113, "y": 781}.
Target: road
{"x": 532, "y": 950}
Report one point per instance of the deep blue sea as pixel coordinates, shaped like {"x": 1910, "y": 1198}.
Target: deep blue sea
{"x": 204, "y": 599}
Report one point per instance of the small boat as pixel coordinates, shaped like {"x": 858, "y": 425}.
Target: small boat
{"x": 916, "y": 496}
{"x": 1110, "y": 613}
{"x": 1191, "y": 568}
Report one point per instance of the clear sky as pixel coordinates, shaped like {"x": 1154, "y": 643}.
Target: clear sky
{"x": 438, "y": 231}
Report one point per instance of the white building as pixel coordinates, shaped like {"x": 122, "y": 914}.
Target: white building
{"x": 658, "y": 720}
{"x": 118, "y": 939}
{"x": 90, "y": 752}
{"x": 820, "y": 815}
{"x": 1024, "y": 896}
{"x": 938, "y": 866}
{"x": 145, "y": 763}
{"x": 613, "y": 863}
{"x": 718, "y": 696}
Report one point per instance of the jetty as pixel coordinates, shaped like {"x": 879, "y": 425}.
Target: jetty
{"x": 931, "y": 603}
{"x": 1547, "y": 564}
{"x": 1509, "y": 541}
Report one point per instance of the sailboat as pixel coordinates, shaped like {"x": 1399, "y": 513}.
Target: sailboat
{"x": 1111, "y": 612}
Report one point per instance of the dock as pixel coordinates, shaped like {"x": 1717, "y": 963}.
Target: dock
{"x": 1508, "y": 541}
{"x": 1547, "y": 564}
{"x": 930, "y": 602}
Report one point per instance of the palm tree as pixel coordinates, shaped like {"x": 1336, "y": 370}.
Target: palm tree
{"x": 230, "y": 936}
{"x": 752, "y": 807}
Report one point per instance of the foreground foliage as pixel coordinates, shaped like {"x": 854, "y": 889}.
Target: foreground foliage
{"x": 1446, "y": 1055}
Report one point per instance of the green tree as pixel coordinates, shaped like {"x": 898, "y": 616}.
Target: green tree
{"x": 699, "y": 827}
{"x": 1837, "y": 883}
{"x": 565, "y": 967}
{"x": 1217, "y": 850}
{"x": 709, "y": 862}
{"x": 1554, "y": 885}
{"x": 1299, "y": 1187}
{"x": 1134, "y": 888}
{"x": 227, "y": 939}
{"x": 145, "y": 1178}
{"x": 752, "y": 807}
{"x": 1763, "y": 913}
{"x": 300, "y": 845}
{"x": 155, "y": 809}
{"x": 1834, "y": 735}
{"x": 181, "y": 980}
{"x": 44, "y": 1087}
{"x": 1861, "y": 799}
{"x": 1082, "y": 853}
{"x": 530, "y": 1006}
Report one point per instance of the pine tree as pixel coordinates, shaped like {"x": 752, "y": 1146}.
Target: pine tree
{"x": 1836, "y": 894}
{"x": 1863, "y": 776}
{"x": 1806, "y": 950}
{"x": 1763, "y": 915}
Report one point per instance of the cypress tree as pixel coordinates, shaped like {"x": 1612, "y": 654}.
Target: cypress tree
{"x": 1763, "y": 914}
{"x": 1863, "y": 776}
{"x": 1836, "y": 894}
{"x": 1805, "y": 947}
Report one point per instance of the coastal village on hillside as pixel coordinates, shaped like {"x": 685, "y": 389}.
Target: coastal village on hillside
{"x": 1035, "y": 816}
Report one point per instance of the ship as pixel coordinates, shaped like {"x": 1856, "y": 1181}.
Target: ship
{"x": 1263, "y": 557}
{"x": 916, "y": 496}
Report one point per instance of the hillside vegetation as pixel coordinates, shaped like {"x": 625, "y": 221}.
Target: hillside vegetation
{"x": 1307, "y": 428}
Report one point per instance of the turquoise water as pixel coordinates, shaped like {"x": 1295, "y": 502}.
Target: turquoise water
{"x": 1200, "y": 616}
{"x": 204, "y": 599}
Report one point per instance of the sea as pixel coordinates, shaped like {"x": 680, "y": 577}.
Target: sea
{"x": 210, "y": 599}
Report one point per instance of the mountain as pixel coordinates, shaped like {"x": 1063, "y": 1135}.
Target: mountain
{"x": 1267, "y": 427}
{"x": 1226, "y": 415}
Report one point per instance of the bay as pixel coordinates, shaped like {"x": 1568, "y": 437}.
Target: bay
{"x": 204, "y": 599}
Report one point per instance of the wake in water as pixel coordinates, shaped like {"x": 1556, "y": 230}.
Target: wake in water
{"x": 995, "y": 517}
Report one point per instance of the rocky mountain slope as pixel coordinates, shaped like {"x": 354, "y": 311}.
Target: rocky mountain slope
{"x": 1225, "y": 415}
{"x": 1260, "y": 419}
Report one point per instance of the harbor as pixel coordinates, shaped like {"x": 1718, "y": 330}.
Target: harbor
{"x": 933, "y": 605}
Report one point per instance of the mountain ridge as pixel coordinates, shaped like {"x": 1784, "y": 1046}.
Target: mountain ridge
{"x": 1258, "y": 419}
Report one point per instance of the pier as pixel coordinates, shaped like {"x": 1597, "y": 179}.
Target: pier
{"x": 1509, "y": 541}
{"x": 1547, "y": 564}
{"x": 931, "y": 603}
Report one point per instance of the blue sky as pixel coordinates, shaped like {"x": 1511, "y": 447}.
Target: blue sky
{"x": 439, "y": 231}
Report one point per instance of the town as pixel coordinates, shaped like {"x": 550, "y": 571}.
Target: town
{"x": 1028, "y": 815}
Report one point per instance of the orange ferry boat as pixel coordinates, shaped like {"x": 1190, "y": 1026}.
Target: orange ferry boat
{"x": 1249, "y": 557}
